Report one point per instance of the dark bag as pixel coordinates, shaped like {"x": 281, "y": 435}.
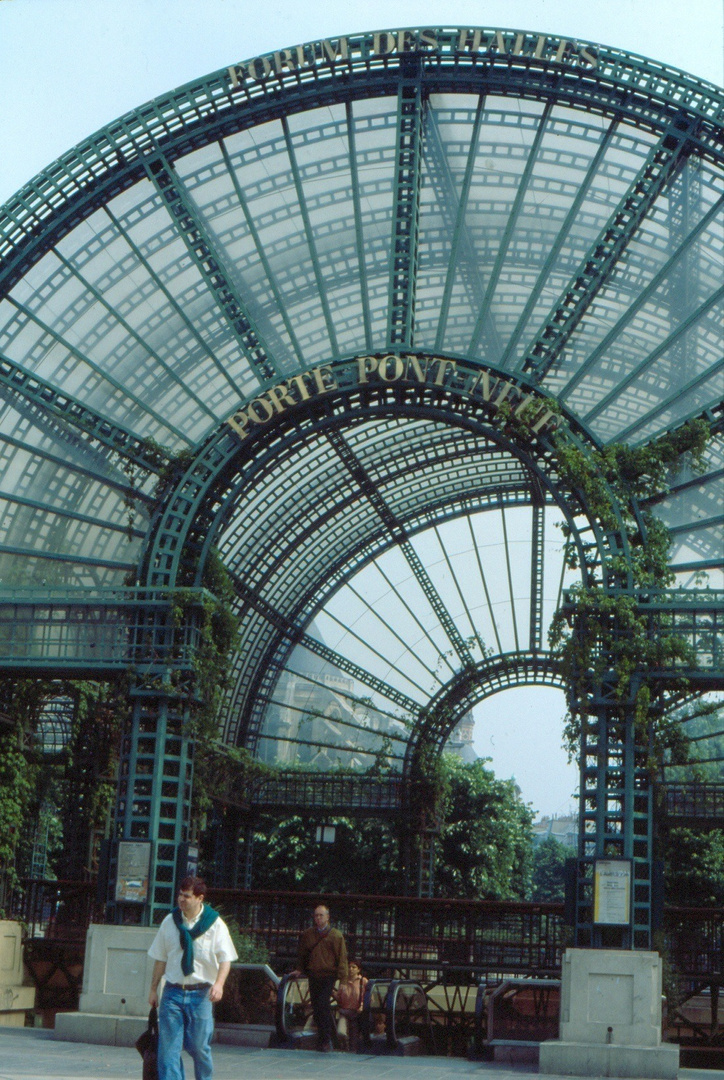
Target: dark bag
{"x": 147, "y": 1046}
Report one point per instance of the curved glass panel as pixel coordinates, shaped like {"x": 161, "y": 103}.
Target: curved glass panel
{"x": 218, "y": 242}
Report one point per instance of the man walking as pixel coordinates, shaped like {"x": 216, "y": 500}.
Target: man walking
{"x": 194, "y": 950}
{"x": 323, "y": 960}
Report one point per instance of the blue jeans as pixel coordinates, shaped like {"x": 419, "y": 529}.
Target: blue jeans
{"x": 185, "y": 1019}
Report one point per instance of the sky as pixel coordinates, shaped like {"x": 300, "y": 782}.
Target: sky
{"x": 68, "y": 67}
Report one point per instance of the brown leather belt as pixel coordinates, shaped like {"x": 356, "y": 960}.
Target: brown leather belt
{"x": 190, "y": 986}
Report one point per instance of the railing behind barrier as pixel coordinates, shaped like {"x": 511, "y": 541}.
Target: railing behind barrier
{"x": 702, "y": 802}
{"x": 423, "y": 938}
{"x": 523, "y": 1010}
{"x": 55, "y": 909}
{"x": 447, "y": 946}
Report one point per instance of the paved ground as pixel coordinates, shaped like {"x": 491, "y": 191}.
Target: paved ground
{"x": 34, "y": 1054}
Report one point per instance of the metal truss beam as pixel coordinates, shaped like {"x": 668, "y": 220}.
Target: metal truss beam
{"x": 310, "y": 239}
{"x": 123, "y": 442}
{"x": 510, "y": 225}
{"x": 318, "y": 792}
{"x": 106, "y": 375}
{"x": 132, "y": 333}
{"x": 660, "y": 166}
{"x": 537, "y": 565}
{"x": 453, "y": 208}
{"x": 98, "y": 633}
{"x": 563, "y": 232}
{"x": 124, "y": 487}
{"x": 681, "y": 392}
{"x": 166, "y": 292}
{"x": 471, "y": 686}
{"x": 696, "y": 567}
{"x": 298, "y": 636}
{"x": 696, "y": 616}
{"x": 210, "y": 264}
{"x": 636, "y": 90}
{"x": 263, "y": 257}
{"x": 399, "y": 534}
{"x": 406, "y": 206}
{"x": 71, "y": 515}
{"x": 359, "y": 234}
{"x": 305, "y": 677}
{"x": 686, "y": 485}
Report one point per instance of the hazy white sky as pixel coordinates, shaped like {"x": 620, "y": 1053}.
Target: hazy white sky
{"x": 68, "y": 67}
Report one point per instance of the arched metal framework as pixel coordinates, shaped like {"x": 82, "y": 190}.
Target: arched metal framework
{"x": 307, "y": 291}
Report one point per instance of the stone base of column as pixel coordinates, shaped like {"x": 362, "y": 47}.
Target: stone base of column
{"x": 610, "y": 1018}
{"x": 16, "y": 999}
{"x": 558, "y": 1058}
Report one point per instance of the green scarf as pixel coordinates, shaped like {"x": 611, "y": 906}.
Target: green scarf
{"x": 207, "y": 919}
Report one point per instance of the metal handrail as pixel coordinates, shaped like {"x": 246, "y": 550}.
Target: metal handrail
{"x": 389, "y": 1008}
{"x": 286, "y": 1008}
{"x": 484, "y": 1032}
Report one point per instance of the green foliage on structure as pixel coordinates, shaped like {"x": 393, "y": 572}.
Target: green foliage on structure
{"x": 85, "y": 780}
{"x": 218, "y": 629}
{"x": 55, "y": 799}
{"x": 20, "y": 774}
{"x": 605, "y": 630}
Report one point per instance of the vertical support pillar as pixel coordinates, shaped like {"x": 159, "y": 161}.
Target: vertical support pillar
{"x": 248, "y": 864}
{"x": 154, "y": 798}
{"x": 406, "y": 207}
{"x": 222, "y": 852}
{"x": 426, "y": 861}
{"x": 615, "y": 820}
{"x": 537, "y": 564}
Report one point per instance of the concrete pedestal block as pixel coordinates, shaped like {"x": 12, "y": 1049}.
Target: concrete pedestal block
{"x": 117, "y": 970}
{"x": 610, "y": 1017}
{"x": 116, "y": 980}
{"x": 99, "y": 1028}
{"x": 558, "y": 1058}
{"x": 15, "y": 999}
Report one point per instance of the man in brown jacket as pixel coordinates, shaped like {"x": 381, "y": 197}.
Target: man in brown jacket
{"x": 323, "y": 960}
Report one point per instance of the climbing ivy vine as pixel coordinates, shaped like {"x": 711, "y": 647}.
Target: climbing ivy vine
{"x": 605, "y": 628}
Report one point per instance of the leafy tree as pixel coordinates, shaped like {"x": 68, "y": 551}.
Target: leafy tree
{"x": 549, "y": 860}
{"x": 694, "y": 867}
{"x": 486, "y": 844}
{"x": 363, "y": 857}
{"x": 484, "y": 849}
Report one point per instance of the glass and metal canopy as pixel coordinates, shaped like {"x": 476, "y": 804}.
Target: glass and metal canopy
{"x": 550, "y": 210}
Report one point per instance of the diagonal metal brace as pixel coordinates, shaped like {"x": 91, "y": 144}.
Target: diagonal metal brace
{"x": 210, "y": 264}
{"x": 399, "y": 534}
{"x": 123, "y": 442}
{"x": 660, "y": 166}
{"x": 297, "y": 635}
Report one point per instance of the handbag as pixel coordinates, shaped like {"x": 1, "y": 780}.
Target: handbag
{"x": 147, "y": 1046}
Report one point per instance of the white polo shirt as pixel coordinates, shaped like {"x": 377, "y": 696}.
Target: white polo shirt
{"x": 211, "y": 949}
